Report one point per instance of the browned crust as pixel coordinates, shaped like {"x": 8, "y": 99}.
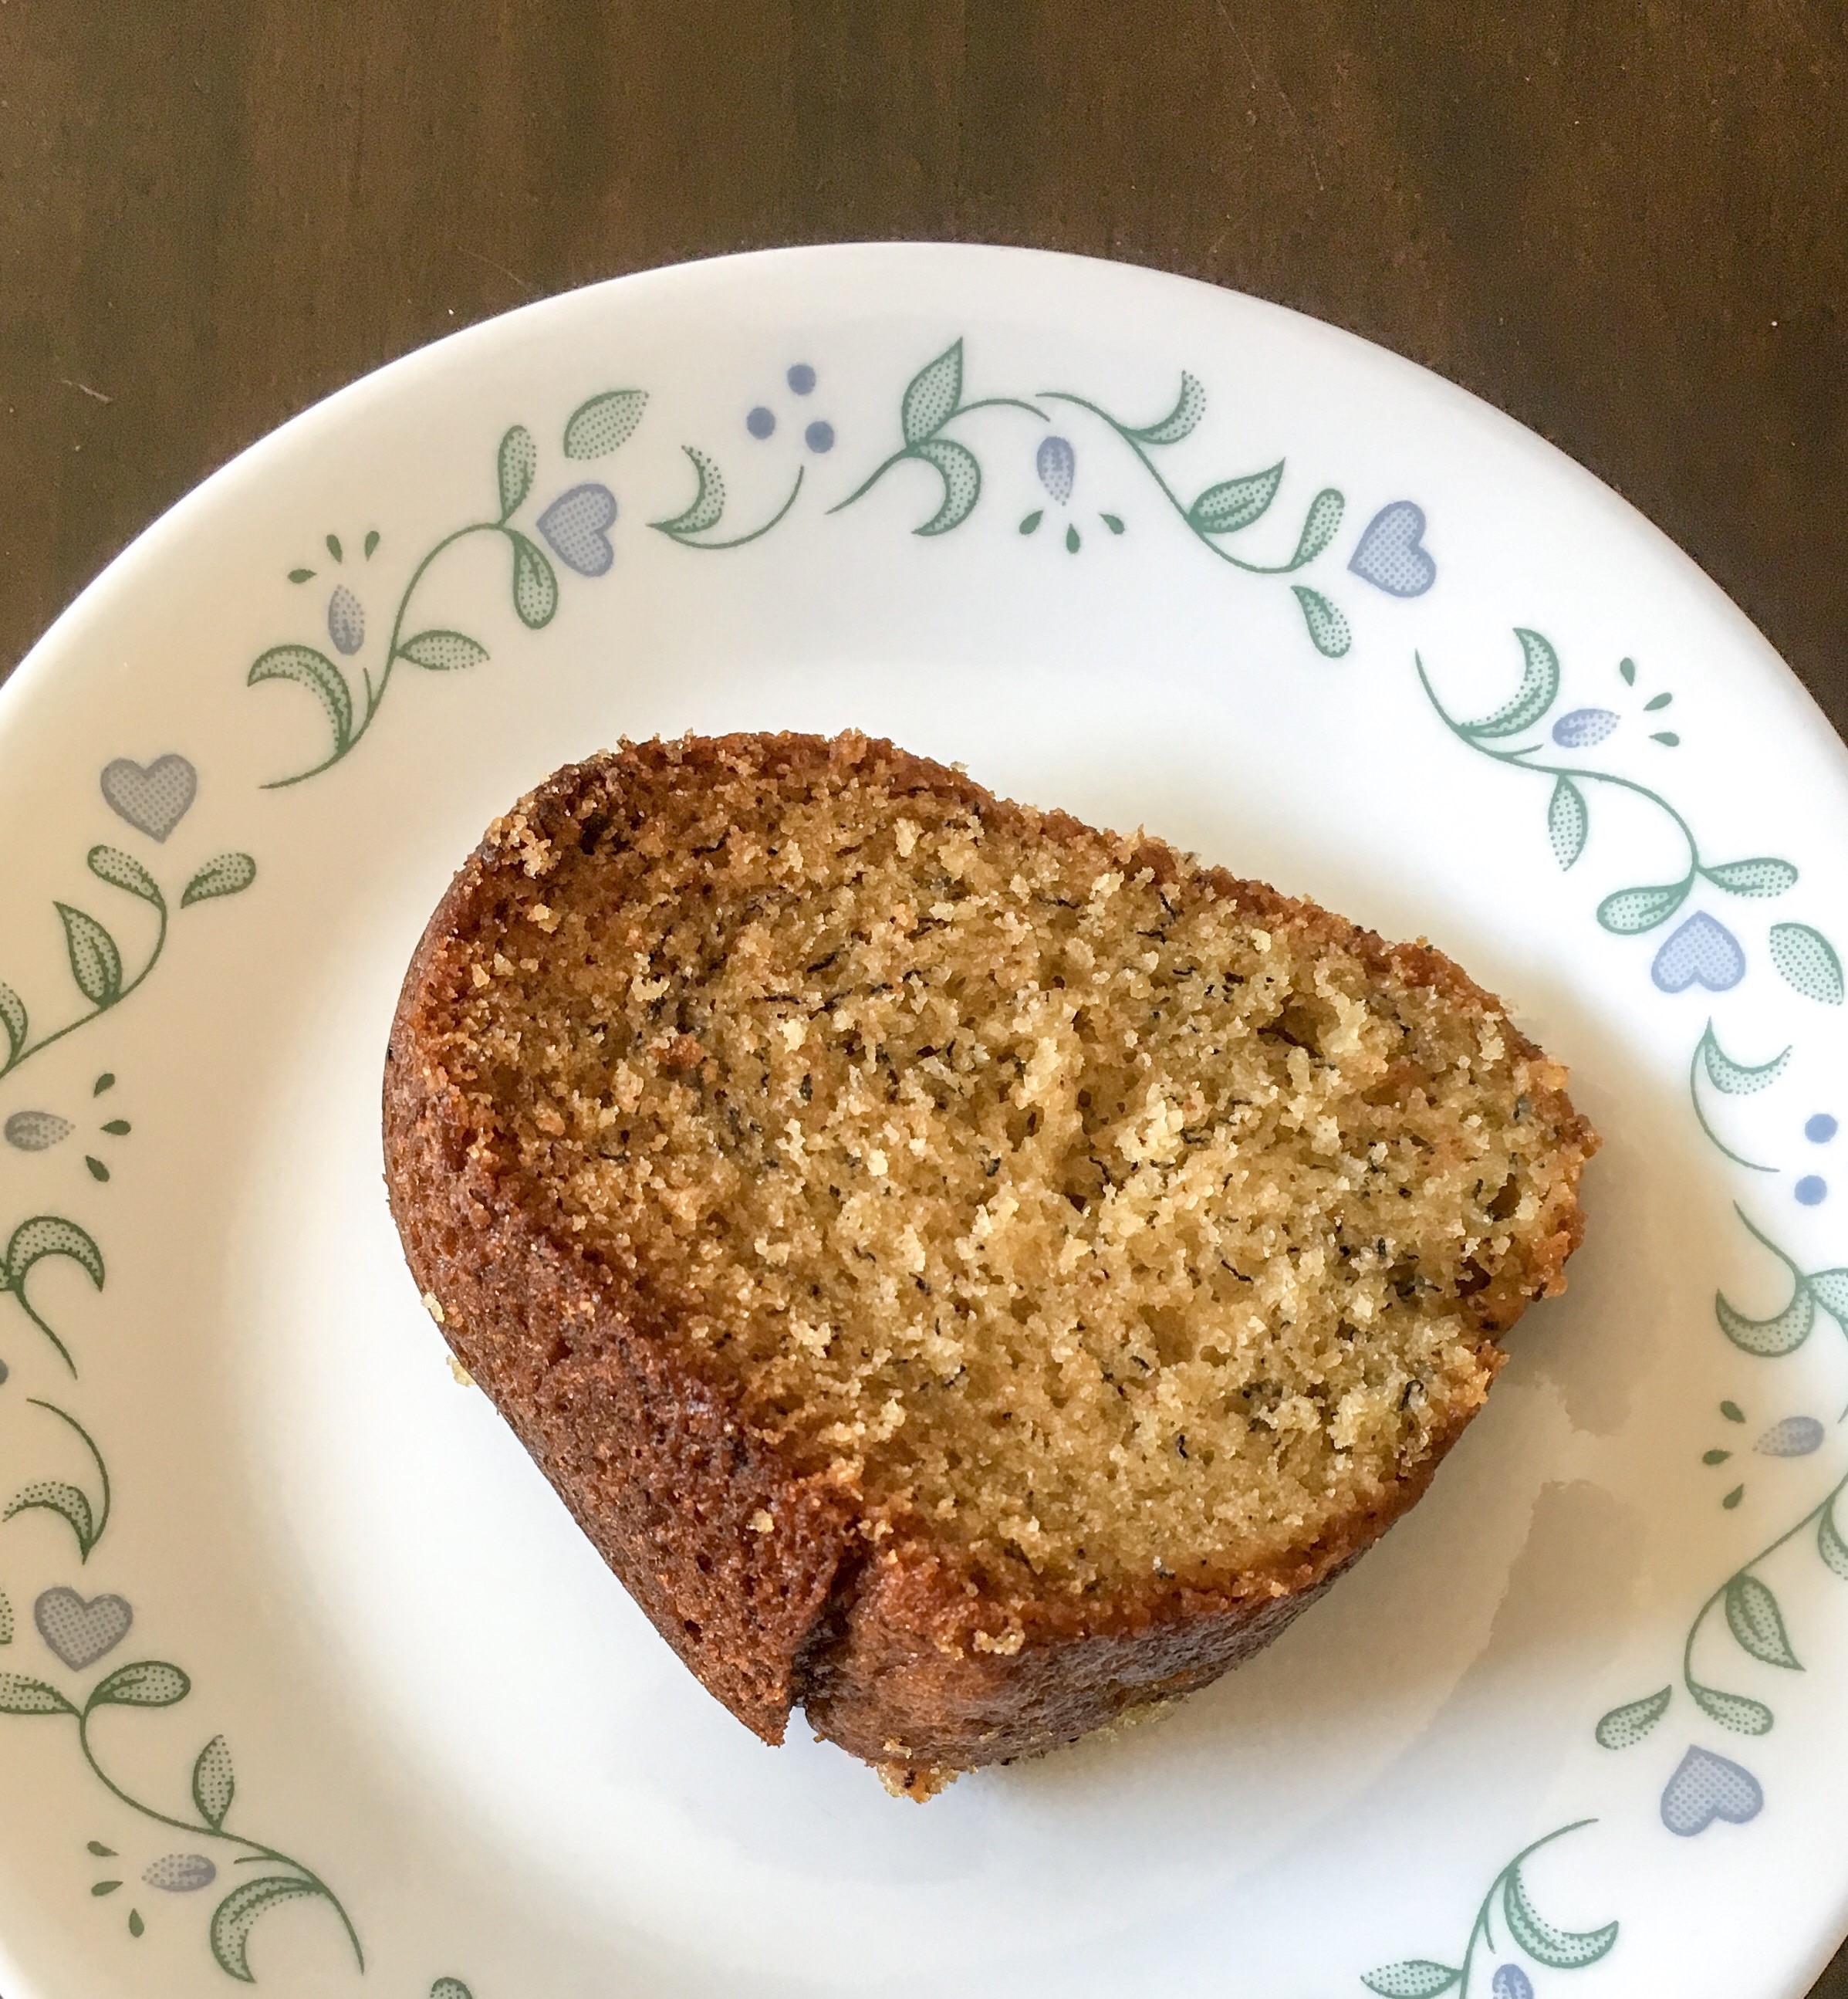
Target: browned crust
{"x": 885, "y": 1653}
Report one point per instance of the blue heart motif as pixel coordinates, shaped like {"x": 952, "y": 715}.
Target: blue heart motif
{"x": 77, "y": 1632}
{"x": 1703, "y": 951}
{"x": 1389, "y": 554}
{"x": 574, "y": 527}
{"x": 154, "y": 798}
{"x": 1705, "y": 1787}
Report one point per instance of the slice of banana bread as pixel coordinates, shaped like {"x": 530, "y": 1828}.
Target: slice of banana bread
{"x": 969, "y": 1274}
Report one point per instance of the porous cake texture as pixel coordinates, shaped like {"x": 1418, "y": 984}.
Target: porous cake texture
{"x": 969, "y": 1273}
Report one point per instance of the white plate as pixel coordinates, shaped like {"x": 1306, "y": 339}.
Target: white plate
{"x": 791, "y": 491}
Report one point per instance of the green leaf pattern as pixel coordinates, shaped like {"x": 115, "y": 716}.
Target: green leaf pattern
{"x": 224, "y": 874}
{"x": 1233, "y": 504}
{"x": 1626, "y": 1726}
{"x": 1736, "y": 1711}
{"x": 961, "y": 474}
{"x": 51, "y": 1235}
{"x": 1783, "y": 1333}
{"x": 18, "y": 1694}
{"x": 95, "y": 962}
{"x": 1546, "y": 1943}
{"x": 933, "y": 396}
{"x": 1757, "y": 1624}
{"x": 1829, "y": 1544}
{"x": 600, "y": 426}
{"x": 439, "y": 652}
{"x": 535, "y": 585}
{"x": 13, "y": 1019}
{"x": 1631, "y": 911}
{"x": 1765, "y": 875}
{"x": 1411, "y": 1978}
{"x": 214, "y": 1785}
{"x": 313, "y": 669}
{"x": 1182, "y": 420}
{"x": 236, "y": 1917}
{"x": 1320, "y": 526}
{"x": 123, "y": 870}
{"x": 70, "y": 1502}
{"x": 707, "y": 504}
{"x": 1327, "y": 627}
{"x": 1567, "y": 822}
{"x": 146, "y": 1683}
{"x": 1539, "y": 684}
{"x": 516, "y": 465}
{"x": 1737, "y": 1079}
{"x": 1806, "y": 962}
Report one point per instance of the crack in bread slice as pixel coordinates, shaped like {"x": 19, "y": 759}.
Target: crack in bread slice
{"x": 970, "y": 1274}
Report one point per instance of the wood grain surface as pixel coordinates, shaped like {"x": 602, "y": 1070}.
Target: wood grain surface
{"x": 1623, "y": 223}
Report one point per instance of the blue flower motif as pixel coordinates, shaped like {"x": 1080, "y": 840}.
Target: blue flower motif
{"x": 346, "y": 620}
{"x": 1056, "y": 463}
{"x": 37, "y": 1130}
{"x": 1811, "y": 1190}
{"x": 575, "y": 528}
{"x": 1583, "y": 727}
{"x": 801, "y": 378}
{"x": 1796, "y": 1436}
{"x": 180, "y": 1873}
{"x": 1511, "y": 1982}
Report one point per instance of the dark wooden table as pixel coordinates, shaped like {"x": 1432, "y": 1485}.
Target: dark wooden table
{"x": 1621, "y": 221}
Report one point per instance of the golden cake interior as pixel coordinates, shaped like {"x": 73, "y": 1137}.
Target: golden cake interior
{"x": 1105, "y": 1228}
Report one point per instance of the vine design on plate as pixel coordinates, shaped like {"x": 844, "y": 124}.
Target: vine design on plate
{"x": 932, "y": 403}
{"x": 38, "y": 1131}
{"x": 1730, "y": 1079}
{"x": 1750, "y": 1609}
{"x": 1791, "y": 1436}
{"x": 97, "y": 969}
{"x": 937, "y": 428}
{"x": 1230, "y": 506}
{"x": 1055, "y": 465}
{"x": 1753, "y": 1616}
{"x": 575, "y": 526}
{"x": 1783, "y": 1331}
{"x": 80, "y": 1633}
{"x": 692, "y": 524}
{"x": 35, "y": 1239}
{"x": 693, "y": 527}
{"x": 1701, "y": 950}
{"x": 87, "y": 1518}
{"x": 1529, "y": 1932}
